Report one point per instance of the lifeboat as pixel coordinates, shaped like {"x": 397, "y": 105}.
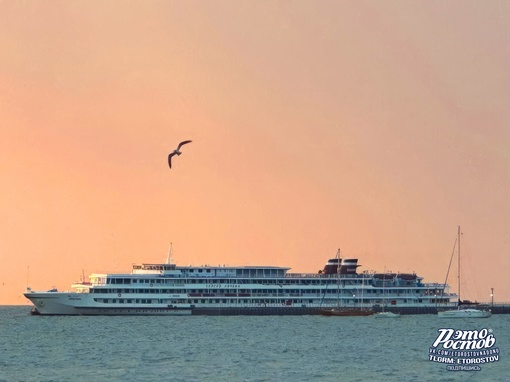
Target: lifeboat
{"x": 384, "y": 276}
{"x": 407, "y": 276}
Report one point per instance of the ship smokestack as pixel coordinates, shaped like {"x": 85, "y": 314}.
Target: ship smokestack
{"x": 349, "y": 266}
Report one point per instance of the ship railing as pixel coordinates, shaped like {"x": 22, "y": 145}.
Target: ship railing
{"x": 434, "y": 285}
{"x": 97, "y": 283}
{"x": 320, "y": 275}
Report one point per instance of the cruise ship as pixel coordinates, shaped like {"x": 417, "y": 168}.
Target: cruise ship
{"x": 168, "y": 289}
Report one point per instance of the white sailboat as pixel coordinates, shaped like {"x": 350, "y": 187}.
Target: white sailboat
{"x": 461, "y": 312}
{"x": 345, "y": 311}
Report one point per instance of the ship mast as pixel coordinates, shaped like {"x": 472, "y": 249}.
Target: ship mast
{"x": 169, "y": 257}
{"x": 458, "y": 266}
{"x": 338, "y": 279}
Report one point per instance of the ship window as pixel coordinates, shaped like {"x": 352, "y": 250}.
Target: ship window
{"x": 208, "y": 271}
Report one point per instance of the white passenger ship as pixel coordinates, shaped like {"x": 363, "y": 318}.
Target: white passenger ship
{"x": 168, "y": 289}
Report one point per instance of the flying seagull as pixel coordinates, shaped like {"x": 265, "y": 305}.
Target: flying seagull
{"x": 176, "y": 151}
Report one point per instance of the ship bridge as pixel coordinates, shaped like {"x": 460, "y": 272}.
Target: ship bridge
{"x": 154, "y": 269}
{"x": 228, "y": 271}
{"x": 209, "y": 270}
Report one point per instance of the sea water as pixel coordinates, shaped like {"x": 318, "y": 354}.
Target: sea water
{"x": 235, "y": 348}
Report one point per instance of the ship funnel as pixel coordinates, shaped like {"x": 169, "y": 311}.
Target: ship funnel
{"x": 331, "y": 267}
{"x": 349, "y": 266}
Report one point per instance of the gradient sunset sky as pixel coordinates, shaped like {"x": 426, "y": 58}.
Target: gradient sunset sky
{"x": 376, "y": 127}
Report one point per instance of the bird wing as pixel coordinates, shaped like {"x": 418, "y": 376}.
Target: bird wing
{"x": 182, "y": 143}
{"x": 170, "y": 160}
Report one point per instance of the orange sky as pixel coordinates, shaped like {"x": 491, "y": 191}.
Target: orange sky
{"x": 376, "y": 127}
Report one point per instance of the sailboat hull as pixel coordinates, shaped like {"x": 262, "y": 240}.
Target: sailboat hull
{"x": 459, "y": 312}
{"x": 387, "y": 315}
{"x": 465, "y": 313}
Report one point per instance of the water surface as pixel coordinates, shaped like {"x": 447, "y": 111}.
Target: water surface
{"x": 238, "y": 348}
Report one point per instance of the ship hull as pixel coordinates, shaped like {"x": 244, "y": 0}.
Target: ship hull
{"x": 80, "y": 304}
{"x": 61, "y": 303}
{"x": 345, "y": 312}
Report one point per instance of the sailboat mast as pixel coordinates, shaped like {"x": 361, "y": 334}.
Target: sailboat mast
{"x": 458, "y": 266}
{"x": 338, "y": 279}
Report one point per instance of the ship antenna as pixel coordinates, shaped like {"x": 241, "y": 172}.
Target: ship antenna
{"x": 169, "y": 258}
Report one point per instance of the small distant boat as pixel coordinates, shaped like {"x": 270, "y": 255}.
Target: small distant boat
{"x": 465, "y": 313}
{"x": 346, "y": 312}
{"x": 462, "y": 312}
{"x": 387, "y": 315}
